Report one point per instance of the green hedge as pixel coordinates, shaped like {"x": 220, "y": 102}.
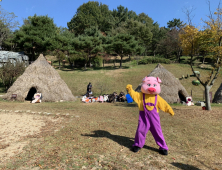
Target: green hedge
{"x": 154, "y": 60}
{"x": 97, "y": 61}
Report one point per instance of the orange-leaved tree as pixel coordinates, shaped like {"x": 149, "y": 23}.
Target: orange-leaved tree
{"x": 209, "y": 40}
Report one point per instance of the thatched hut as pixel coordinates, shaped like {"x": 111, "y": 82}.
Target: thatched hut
{"x": 218, "y": 95}
{"x": 171, "y": 89}
{"x": 40, "y": 77}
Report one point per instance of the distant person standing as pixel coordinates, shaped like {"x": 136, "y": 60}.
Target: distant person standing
{"x": 89, "y": 88}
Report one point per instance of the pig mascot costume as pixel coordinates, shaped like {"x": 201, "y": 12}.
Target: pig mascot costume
{"x": 149, "y": 103}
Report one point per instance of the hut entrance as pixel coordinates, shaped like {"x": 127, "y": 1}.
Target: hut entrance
{"x": 181, "y": 96}
{"x": 30, "y": 94}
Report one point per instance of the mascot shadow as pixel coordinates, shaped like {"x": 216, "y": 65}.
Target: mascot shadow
{"x": 184, "y": 166}
{"x": 121, "y": 140}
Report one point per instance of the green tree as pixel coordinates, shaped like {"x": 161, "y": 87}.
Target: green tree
{"x": 171, "y": 44}
{"x": 34, "y": 34}
{"x": 71, "y": 47}
{"x": 132, "y": 15}
{"x": 175, "y": 24}
{"x": 90, "y": 46}
{"x": 92, "y": 31}
{"x": 58, "y": 46}
{"x": 141, "y": 32}
{"x": 120, "y": 15}
{"x": 120, "y": 29}
{"x": 91, "y": 14}
{"x": 158, "y": 35}
{"x": 64, "y": 45}
{"x": 8, "y": 44}
{"x": 145, "y": 19}
{"x": 125, "y": 44}
{"x": 60, "y": 55}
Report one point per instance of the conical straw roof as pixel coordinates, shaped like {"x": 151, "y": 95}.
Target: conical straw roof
{"x": 218, "y": 95}
{"x": 45, "y": 79}
{"x": 170, "y": 86}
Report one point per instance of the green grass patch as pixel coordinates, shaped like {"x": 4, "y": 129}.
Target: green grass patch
{"x": 109, "y": 79}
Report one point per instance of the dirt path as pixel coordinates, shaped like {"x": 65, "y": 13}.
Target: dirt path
{"x": 14, "y": 127}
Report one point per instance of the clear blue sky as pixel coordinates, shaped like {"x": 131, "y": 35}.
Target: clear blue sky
{"x": 62, "y": 11}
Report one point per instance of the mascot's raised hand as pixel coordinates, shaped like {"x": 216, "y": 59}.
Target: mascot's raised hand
{"x": 149, "y": 103}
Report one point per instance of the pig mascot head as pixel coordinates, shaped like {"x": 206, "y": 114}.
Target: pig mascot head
{"x": 151, "y": 85}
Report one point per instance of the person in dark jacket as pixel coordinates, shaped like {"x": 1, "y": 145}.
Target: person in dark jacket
{"x": 89, "y": 88}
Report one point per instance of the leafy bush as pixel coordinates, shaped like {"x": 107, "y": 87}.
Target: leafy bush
{"x": 97, "y": 61}
{"x": 154, "y": 60}
{"x": 160, "y": 56}
{"x": 10, "y": 72}
{"x": 79, "y": 62}
{"x": 134, "y": 62}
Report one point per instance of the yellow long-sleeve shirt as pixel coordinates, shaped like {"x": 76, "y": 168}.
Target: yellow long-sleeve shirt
{"x": 149, "y": 98}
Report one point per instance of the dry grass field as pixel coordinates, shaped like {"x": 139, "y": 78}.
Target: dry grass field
{"x": 75, "y": 135}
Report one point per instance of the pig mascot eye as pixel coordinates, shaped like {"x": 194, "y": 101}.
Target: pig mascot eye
{"x": 148, "y": 85}
{"x": 154, "y": 85}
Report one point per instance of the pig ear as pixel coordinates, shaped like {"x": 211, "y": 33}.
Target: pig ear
{"x": 144, "y": 79}
{"x": 158, "y": 80}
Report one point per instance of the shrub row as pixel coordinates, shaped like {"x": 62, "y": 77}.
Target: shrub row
{"x": 154, "y": 60}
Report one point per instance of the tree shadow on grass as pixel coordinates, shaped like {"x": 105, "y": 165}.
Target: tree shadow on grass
{"x": 82, "y": 69}
{"x": 121, "y": 140}
{"x": 110, "y": 68}
{"x": 184, "y": 166}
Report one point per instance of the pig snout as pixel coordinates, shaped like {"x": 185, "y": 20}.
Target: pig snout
{"x": 151, "y": 89}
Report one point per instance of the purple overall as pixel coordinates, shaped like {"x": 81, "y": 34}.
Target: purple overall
{"x": 149, "y": 120}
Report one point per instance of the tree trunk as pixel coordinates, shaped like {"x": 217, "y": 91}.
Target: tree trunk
{"x": 59, "y": 64}
{"x": 70, "y": 63}
{"x": 85, "y": 65}
{"x": 121, "y": 58}
{"x": 90, "y": 62}
{"x": 103, "y": 62}
{"x": 203, "y": 60}
{"x": 33, "y": 55}
{"x": 207, "y": 97}
{"x": 178, "y": 57}
{"x": 218, "y": 59}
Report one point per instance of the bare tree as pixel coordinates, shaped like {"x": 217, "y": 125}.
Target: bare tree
{"x": 188, "y": 12}
{"x": 7, "y": 24}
